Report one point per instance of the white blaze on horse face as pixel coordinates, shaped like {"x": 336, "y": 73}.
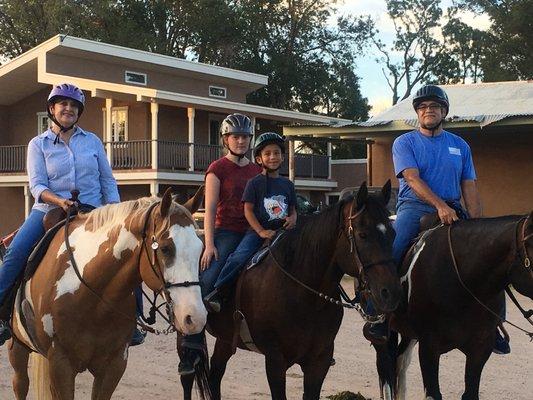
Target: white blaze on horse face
{"x": 189, "y": 311}
{"x": 382, "y": 228}
{"x": 402, "y": 363}
{"x": 407, "y": 276}
{"x": 86, "y": 245}
{"x": 48, "y": 324}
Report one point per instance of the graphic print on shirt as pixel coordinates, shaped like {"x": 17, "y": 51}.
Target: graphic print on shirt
{"x": 276, "y": 207}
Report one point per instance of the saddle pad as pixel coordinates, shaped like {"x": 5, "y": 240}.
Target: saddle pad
{"x": 263, "y": 251}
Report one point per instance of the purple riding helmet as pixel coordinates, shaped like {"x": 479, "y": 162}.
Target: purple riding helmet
{"x": 65, "y": 91}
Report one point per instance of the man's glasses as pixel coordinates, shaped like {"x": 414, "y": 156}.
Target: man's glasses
{"x": 430, "y": 107}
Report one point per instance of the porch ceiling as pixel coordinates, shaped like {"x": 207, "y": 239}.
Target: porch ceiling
{"x": 18, "y": 83}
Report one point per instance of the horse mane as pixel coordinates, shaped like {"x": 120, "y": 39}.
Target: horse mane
{"x": 116, "y": 213}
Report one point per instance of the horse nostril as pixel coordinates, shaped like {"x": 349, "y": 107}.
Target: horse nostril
{"x": 188, "y": 320}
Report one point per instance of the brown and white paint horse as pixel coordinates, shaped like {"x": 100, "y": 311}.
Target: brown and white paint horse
{"x": 80, "y": 327}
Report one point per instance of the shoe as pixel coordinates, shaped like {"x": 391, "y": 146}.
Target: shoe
{"x": 138, "y": 337}
{"x": 5, "y": 332}
{"x": 501, "y": 345}
{"x": 376, "y": 333}
{"x": 189, "y": 359}
{"x": 213, "y": 302}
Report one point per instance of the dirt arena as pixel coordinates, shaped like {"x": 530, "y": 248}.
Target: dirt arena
{"x": 151, "y": 372}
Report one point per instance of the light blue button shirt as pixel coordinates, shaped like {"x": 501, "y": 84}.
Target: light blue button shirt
{"x": 81, "y": 165}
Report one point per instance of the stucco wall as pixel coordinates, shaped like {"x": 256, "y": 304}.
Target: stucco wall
{"x": 11, "y": 209}
{"x": 348, "y": 175}
{"x": 504, "y": 167}
{"x": 114, "y": 73}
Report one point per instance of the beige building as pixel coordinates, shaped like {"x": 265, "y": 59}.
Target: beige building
{"x": 158, "y": 117}
{"x": 496, "y": 119}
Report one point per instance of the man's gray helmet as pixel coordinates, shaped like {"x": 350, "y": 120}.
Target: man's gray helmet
{"x": 236, "y": 124}
{"x": 431, "y": 92}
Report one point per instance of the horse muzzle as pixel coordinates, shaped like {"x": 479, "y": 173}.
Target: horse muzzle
{"x": 189, "y": 315}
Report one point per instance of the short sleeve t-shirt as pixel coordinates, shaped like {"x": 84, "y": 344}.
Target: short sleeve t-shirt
{"x": 233, "y": 178}
{"x": 443, "y": 162}
{"x": 272, "y": 199}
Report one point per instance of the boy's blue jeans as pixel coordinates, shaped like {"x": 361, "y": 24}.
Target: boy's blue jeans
{"x": 19, "y": 250}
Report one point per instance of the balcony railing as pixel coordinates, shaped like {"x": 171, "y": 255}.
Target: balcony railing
{"x": 172, "y": 155}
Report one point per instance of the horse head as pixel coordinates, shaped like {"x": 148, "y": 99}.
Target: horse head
{"x": 365, "y": 250}
{"x": 521, "y": 272}
{"x": 170, "y": 264}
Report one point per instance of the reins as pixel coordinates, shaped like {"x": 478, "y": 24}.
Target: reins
{"x": 527, "y": 264}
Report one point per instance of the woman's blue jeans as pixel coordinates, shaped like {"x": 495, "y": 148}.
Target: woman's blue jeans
{"x": 19, "y": 250}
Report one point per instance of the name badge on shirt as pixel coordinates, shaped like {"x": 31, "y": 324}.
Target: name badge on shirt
{"x": 455, "y": 151}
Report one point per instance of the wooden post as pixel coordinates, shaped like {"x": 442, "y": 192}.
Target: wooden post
{"x": 108, "y": 137}
{"x": 369, "y": 144}
{"x": 27, "y": 201}
{"x": 330, "y": 152}
{"x": 190, "y": 115}
{"x": 292, "y": 172}
{"x": 154, "y": 109}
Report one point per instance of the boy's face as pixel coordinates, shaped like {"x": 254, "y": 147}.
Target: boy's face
{"x": 271, "y": 157}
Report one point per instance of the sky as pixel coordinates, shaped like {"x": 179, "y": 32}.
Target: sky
{"x": 373, "y": 83}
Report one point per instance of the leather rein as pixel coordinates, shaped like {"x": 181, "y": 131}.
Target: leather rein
{"x": 526, "y": 264}
{"x": 346, "y": 302}
{"x": 156, "y": 268}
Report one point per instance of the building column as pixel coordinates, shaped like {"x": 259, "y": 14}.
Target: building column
{"x": 292, "y": 172}
{"x": 27, "y": 201}
{"x": 369, "y": 144}
{"x": 154, "y": 109}
{"x": 154, "y": 188}
{"x": 190, "y": 114}
{"x": 108, "y": 128}
{"x": 329, "y": 153}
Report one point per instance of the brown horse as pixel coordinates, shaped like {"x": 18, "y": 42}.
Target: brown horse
{"x": 454, "y": 280}
{"x": 86, "y": 324}
{"x": 283, "y": 298}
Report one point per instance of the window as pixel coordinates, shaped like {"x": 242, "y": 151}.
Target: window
{"x": 217, "y": 91}
{"x": 214, "y": 129}
{"x": 43, "y": 123}
{"x": 137, "y": 78}
{"x": 119, "y": 124}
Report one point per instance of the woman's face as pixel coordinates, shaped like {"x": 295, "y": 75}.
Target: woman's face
{"x": 65, "y": 112}
{"x": 237, "y": 143}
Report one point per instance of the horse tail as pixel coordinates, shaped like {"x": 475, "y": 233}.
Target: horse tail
{"x": 201, "y": 376}
{"x": 40, "y": 377}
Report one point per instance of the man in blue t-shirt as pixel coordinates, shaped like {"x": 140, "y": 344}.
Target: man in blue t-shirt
{"x": 269, "y": 204}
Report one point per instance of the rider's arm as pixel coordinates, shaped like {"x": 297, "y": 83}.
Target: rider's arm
{"x": 471, "y": 198}
{"x": 290, "y": 221}
{"x": 212, "y": 192}
{"x": 49, "y": 197}
{"x": 446, "y": 214}
{"x": 254, "y": 223}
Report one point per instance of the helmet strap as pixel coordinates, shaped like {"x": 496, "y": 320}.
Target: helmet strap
{"x": 61, "y": 127}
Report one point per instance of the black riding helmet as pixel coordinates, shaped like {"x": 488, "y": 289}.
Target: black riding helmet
{"x": 431, "y": 92}
{"x": 268, "y": 138}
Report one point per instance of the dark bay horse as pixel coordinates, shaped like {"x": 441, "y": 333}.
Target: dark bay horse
{"x": 441, "y": 308}
{"x": 288, "y": 321}
{"x": 76, "y": 326}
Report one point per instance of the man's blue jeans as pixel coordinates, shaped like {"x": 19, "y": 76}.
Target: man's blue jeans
{"x": 249, "y": 244}
{"x": 19, "y": 250}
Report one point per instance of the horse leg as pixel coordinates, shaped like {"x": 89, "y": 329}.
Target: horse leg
{"x": 385, "y": 363}
{"x": 221, "y": 354}
{"x": 18, "y": 358}
{"x": 276, "y": 369}
{"x": 429, "y": 364}
{"x": 315, "y": 370}
{"x": 405, "y": 352}
{"x": 475, "y": 361}
{"x": 62, "y": 376}
{"x": 187, "y": 382}
{"x": 107, "y": 378}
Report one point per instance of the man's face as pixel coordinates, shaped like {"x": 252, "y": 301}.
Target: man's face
{"x": 430, "y": 114}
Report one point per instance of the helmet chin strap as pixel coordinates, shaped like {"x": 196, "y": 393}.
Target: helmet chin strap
{"x": 61, "y": 127}
{"x": 239, "y": 156}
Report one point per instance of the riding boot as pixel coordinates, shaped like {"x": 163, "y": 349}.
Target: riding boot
{"x": 138, "y": 337}
{"x": 214, "y": 300}
{"x": 377, "y": 333}
{"x": 5, "y": 332}
{"x": 190, "y": 353}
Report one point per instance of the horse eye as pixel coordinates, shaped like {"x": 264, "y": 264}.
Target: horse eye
{"x": 363, "y": 235}
{"x": 166, "y": 250}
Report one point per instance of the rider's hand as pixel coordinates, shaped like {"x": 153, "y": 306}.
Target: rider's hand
{"x": 65, "y": 204}
{"x": 209, "y": 253}
{"x": 447, "y": 214}
{"x": 267, "y": 234}
{"x": 290, "y": 222}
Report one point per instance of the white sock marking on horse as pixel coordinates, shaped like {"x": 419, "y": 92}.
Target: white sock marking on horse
{"x": 387, "y": 392}
{"x": 85, "y": 246}
{"x": 48, "y": 324}
{"x": 407, "y": 276}
{"x": 402, "y": 364}
{"x": 382, "y": 228}
{"x": 126, "y": 351}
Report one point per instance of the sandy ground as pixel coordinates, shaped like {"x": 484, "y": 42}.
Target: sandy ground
{"x": 151, "y": 372}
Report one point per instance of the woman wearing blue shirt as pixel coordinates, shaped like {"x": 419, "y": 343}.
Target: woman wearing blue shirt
{"x": 62, "y": 159}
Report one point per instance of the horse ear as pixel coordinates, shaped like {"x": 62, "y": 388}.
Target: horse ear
{"x": 362, "y": 195}
{"x": 194, "y": 203}
{"x": 385, "y": 192}
{"x": 166, "y": 201}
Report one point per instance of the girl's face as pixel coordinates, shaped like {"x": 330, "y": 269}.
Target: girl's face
{"x": 65, "y": 112}
{"x": 271, "y": 157}
{"x": 237, "y": 143}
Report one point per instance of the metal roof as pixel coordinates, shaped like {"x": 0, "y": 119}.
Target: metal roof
{"x": 484, "y": 103}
